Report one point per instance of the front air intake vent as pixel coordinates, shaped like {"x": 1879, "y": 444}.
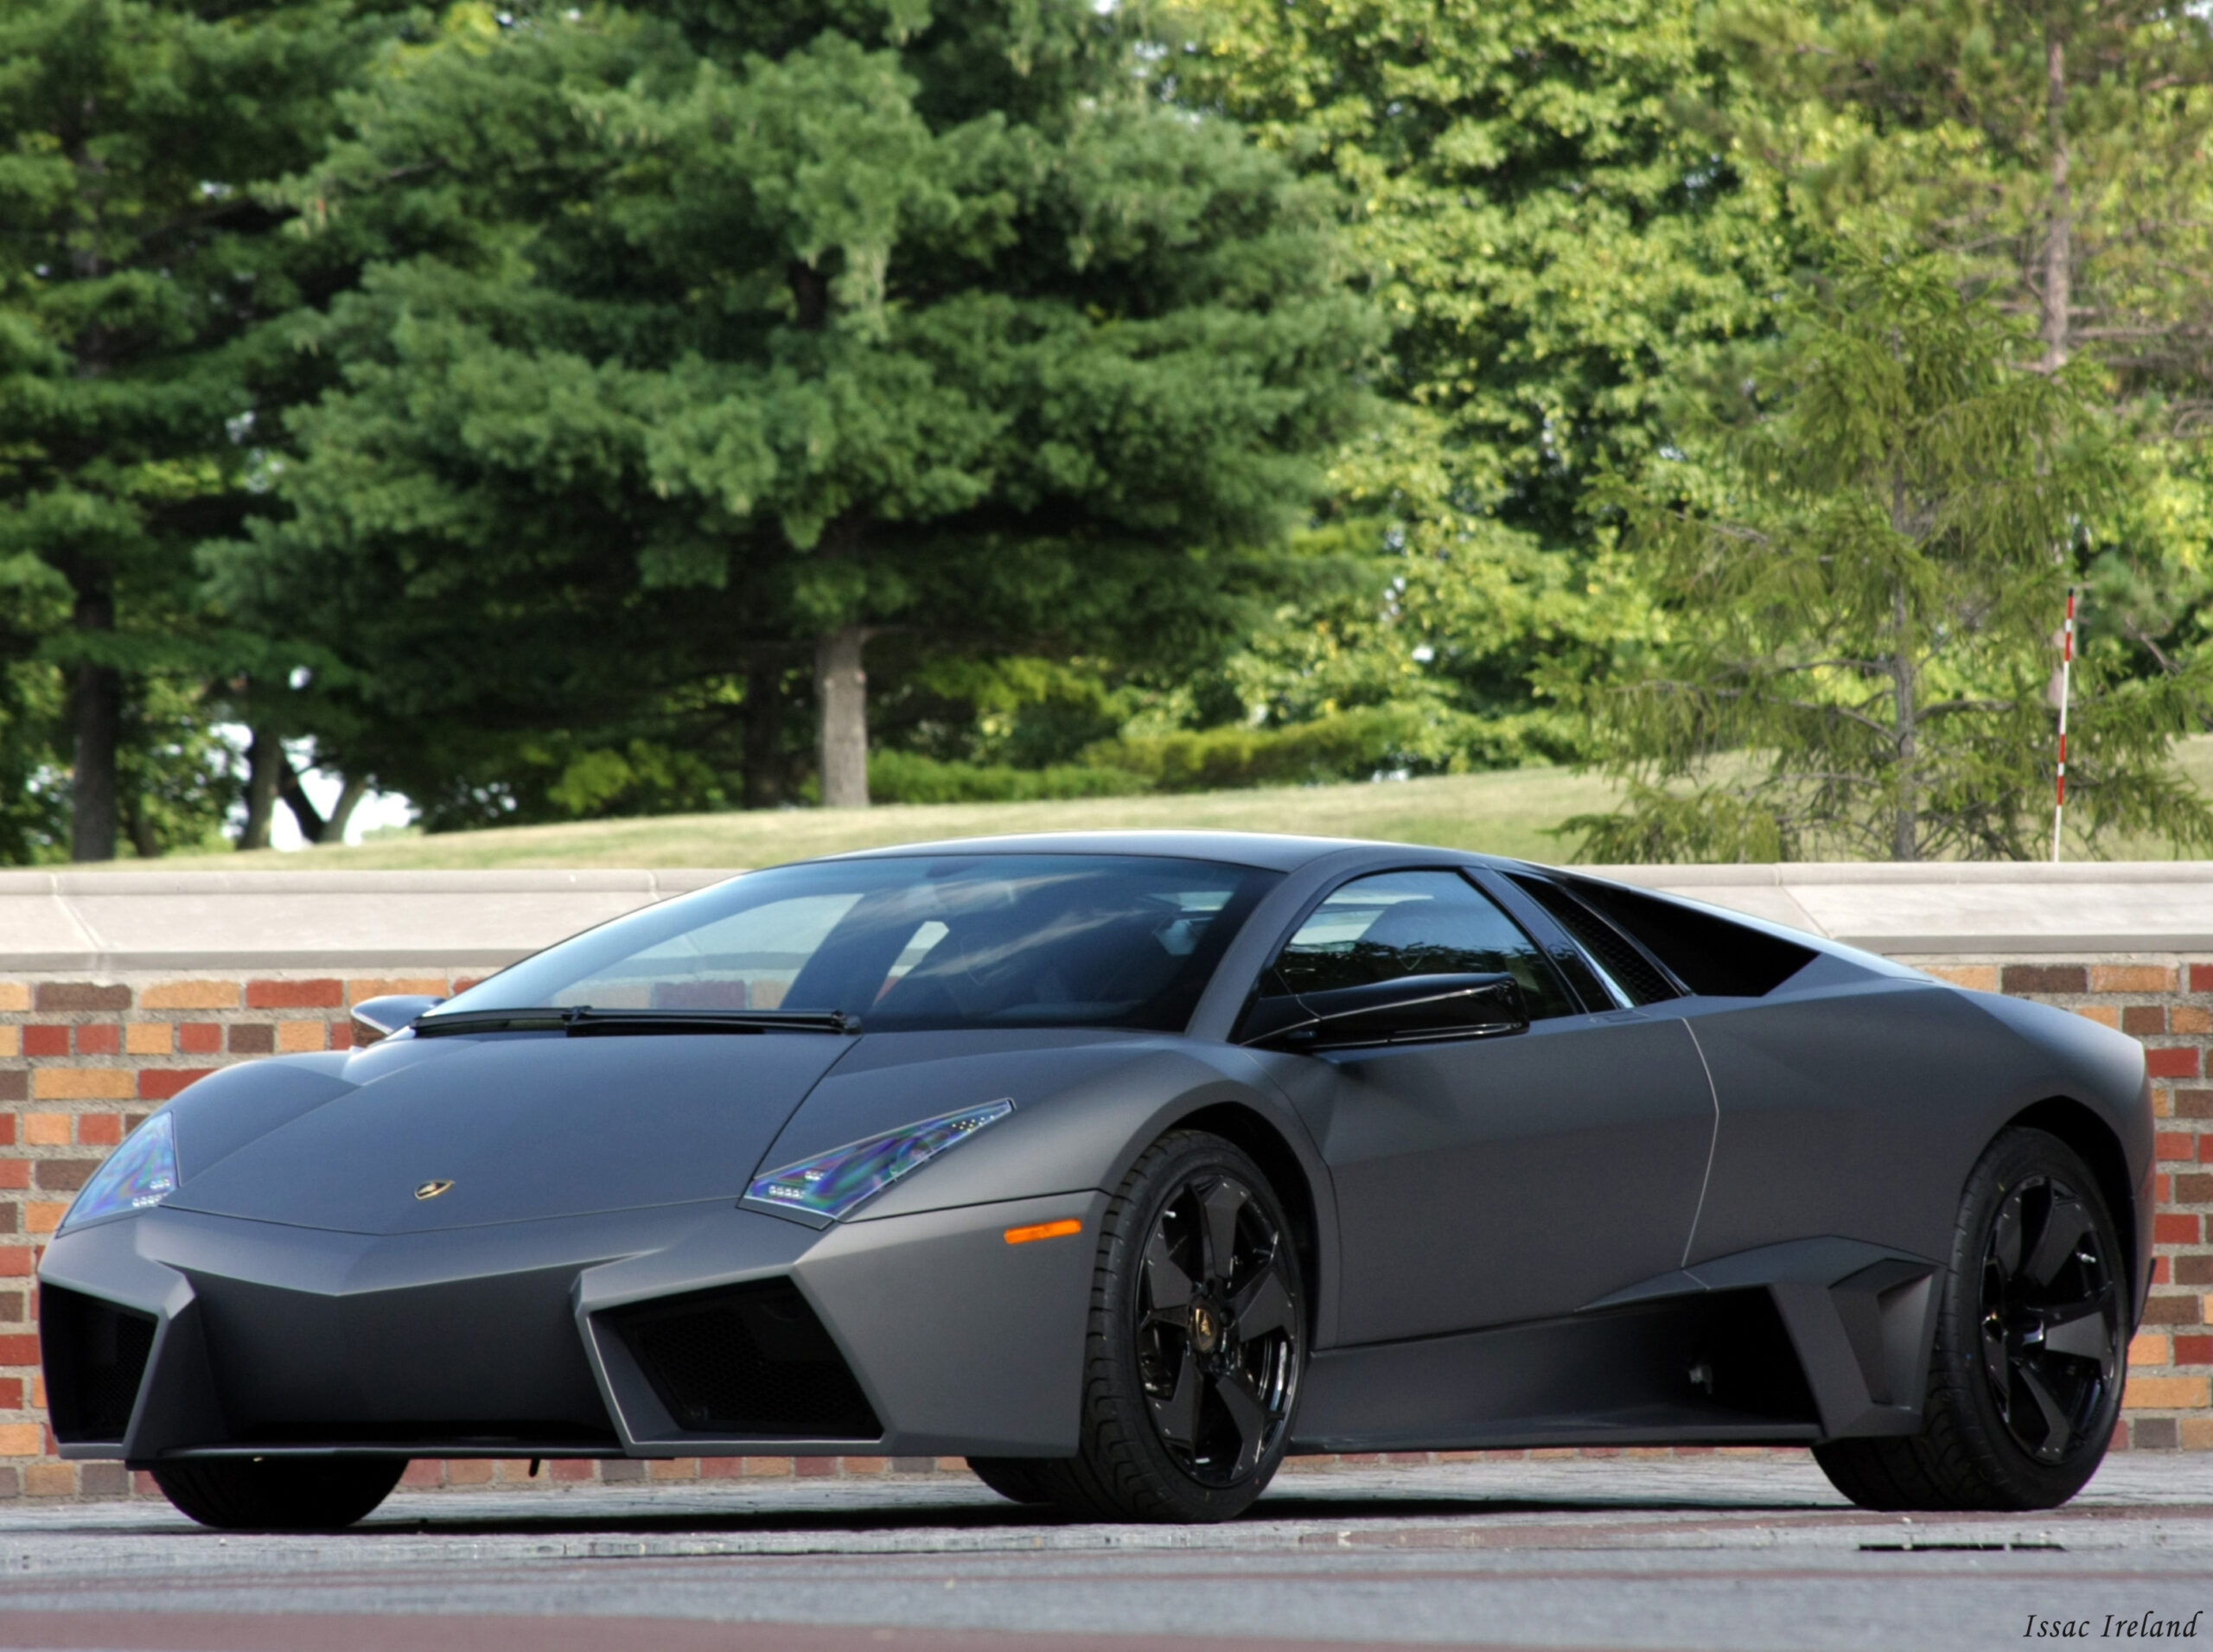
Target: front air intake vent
{"x": 750, "y": 1358}
{"x": 95, "y": 1360}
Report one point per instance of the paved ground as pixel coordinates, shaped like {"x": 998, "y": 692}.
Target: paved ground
{"x": 1710, "y": 1552}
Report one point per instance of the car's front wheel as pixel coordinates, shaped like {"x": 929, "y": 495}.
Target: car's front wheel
{"x": 1197, "y": 1343}
{"x": 2030, "y": 1351}
{"x": 279, "y": 1493}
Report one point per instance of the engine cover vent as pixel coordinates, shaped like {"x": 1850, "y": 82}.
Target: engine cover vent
{"x": 746, "y": 1360}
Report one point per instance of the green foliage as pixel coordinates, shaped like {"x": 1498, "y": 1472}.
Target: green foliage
{"x": 142, "y": 285}
{"x": 1863, "y": 617}
{"x": 1552, "y": 247}
{"x": 896, "y": 776}
{"x": 683, "y": 351}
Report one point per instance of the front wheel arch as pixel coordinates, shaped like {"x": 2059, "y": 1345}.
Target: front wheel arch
{"x": 2094, "y": 1141}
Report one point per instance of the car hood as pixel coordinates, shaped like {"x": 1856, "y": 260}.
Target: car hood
{"x": 523, "y": 1126}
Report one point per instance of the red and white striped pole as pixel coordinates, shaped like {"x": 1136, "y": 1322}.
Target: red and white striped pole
{"x": 2066, "y": 682}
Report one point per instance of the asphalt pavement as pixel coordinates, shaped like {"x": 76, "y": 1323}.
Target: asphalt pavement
{"x": 1722, "y": 1552}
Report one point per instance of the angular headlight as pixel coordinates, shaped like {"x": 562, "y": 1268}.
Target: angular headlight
{"x": 136, "y": 1176}
{"x": 832, "y": 1183}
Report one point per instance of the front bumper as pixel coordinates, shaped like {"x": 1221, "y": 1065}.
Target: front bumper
{"x": 521, "y": 1339}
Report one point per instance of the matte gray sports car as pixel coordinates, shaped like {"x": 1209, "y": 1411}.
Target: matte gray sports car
{"x": 1124, "y": 1164}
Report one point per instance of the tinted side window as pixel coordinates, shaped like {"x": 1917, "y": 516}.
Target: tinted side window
{"x": 1710, "y": 955}
{"x": 1612, "y": 950}
{"x": 1413, "y": 923}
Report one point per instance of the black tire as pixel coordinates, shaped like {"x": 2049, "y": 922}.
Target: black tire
{"x": 1197, "y": 1341}
{"x": 1014, "y": 1478}
{"x": 279, "y": 1493}
{"x": 2032, "y": 1332}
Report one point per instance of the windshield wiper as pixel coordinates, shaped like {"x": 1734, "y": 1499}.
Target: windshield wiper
{"x": 584, "y": 1022}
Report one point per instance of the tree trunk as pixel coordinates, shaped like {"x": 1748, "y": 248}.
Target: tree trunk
{"x": 765, "y": 737}
{"x": 2059, "y": 233}
{"x": 305, "y": 815}
{"x": 841, "y": 709}
{"x": 267, "y": 767}
{"x": 96, "y": 710}
{"x": 342, "y": 812}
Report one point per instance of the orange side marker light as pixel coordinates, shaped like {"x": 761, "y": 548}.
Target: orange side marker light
{"x": 1060, "y": 1229}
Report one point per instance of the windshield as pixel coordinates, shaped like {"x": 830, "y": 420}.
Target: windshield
{"x": 912, "y": 943}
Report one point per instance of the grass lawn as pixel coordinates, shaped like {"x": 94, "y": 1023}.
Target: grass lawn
{"x": 1509, "y": 812}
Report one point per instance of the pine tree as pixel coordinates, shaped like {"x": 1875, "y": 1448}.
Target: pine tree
{"x": 1863, "y": 613}
{"x": 142, "y": 277}
{"x": 720, "y": 339}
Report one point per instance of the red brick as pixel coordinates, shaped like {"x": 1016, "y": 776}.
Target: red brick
{"x": 206, "y": 1038}
{"x": 11, "y": 1393}
{"x": 99, "y": 1038}
{"x": 253, "y": 1039}
{"x": 46, "y": 1041}
{"x": 2176, "y": 1144}
{"x": 2193, "y": 1350}
{"x": 2192, "y": 1270}
{"x": 160, "y": 1083}
{"x": 814, "y": 1465}
{"x": 2191, "y": 1189}
{"x": 14, "y": 1172}
{"x": 2170, "y": 1228}
{"x": 2142, "y": 1018}
{"x": 15, "y": 1084}
{"x": 2045, "y": 977}
{"x": 424, "y": 1471}
{"x": 19, "y": 1350}
{"x": 295, "y": 995}
{"x": 7, "y": 1130}
{"x": 2166, "y": 1308}
{"x": 68, "y": 996}
{"x": 2181, "y": 1061}
{"x": 572, "y": 1468}
{"x": 15, "y": 1260}
{"x": 63, "y": 1175}
{"x": 100, "y": 1129}
{"x": 2201, "y": 977}
{"x": 2193, "y": 1104}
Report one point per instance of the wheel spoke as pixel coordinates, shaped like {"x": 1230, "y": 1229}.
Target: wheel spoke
{"x": 2082, "y": 1329}
{"x": 1997, "y": 1363}
{"x": 1169, "y": 1287}
{"x": 1247, "y": 1414}
{"x": 2005, "y": 1238}
{"x": 2058, "y": 1431}
{"x": 1219, "y": 1207}
{"x": 1178, "y": 1416}
{"x": 2064, "y": 1226}
{"x": 1264, "y": 1306}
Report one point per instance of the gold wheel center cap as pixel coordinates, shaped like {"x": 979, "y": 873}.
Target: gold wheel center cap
{"x": 1206, "y": 1329}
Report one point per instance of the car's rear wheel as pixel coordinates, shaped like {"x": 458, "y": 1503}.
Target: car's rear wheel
{"x": 279, "y": 1493}
{"x": 1196, "y": 1344}
{"x": 2031, "y": 1352}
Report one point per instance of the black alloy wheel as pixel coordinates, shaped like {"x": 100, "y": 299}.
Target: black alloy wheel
{"x": 1216, "y": 1329}
{"x": 1197, "y": 1343}
{"x": 2026, "y": 1370}
{"x": 2051, "y": 1318}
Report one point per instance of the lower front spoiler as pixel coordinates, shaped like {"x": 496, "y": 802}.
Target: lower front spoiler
{"x": 507, "y": 1342}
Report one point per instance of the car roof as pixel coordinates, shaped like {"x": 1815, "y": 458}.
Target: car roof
{"x": 1270, "y": 852}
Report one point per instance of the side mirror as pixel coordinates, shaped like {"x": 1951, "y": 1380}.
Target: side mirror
{"x": 1411, "y": 1009}
{"x": 376, "y": 1018}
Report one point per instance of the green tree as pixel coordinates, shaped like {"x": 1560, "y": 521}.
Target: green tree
{"x": 709, "y": 342}
{"x": 1863, "y": 606}
{"x": 142, "y": 279}
{"x": 1552, "y": 247}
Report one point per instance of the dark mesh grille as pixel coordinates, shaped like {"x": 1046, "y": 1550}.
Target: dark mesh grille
{"x": 95, "y": 1360}
{"x": 749, "y": 1360}
{"x": 1615, "y": 952}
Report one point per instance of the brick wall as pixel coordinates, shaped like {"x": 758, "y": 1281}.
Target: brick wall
{"x": 82, "y": 1061}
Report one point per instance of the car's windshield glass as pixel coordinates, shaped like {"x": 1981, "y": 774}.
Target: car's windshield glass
{"x": 913, "y": 942}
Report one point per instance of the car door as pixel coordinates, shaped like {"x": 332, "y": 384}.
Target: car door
{"x": 1489, "y": 1180}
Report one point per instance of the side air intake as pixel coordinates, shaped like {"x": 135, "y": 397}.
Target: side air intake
{"x": 746, "y": 1360}
{"x": 95, "y": 1361}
